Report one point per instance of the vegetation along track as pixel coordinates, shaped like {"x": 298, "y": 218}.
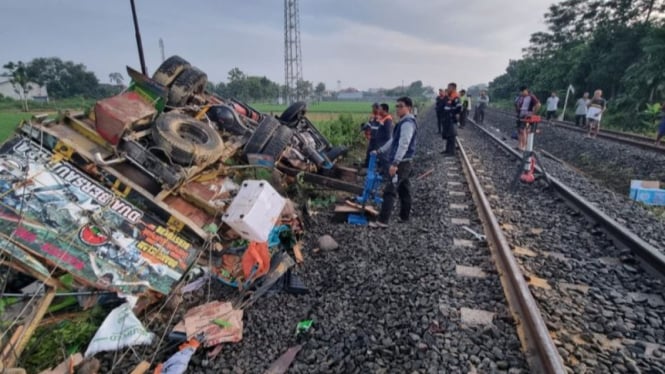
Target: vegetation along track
{"x": 604, "y": 312}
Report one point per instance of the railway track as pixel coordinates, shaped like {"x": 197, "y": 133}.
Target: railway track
{"x": 602, "y": 311}
{"x": 639, "y": 141}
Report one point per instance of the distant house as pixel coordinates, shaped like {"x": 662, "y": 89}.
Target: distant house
{"x": 349, "y": 94}
{"x": 36, "y": 92}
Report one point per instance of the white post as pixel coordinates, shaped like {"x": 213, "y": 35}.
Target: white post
{"x": 565, "y": 104}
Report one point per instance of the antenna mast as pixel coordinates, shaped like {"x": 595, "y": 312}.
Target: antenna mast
{"x": 292, "y": 52}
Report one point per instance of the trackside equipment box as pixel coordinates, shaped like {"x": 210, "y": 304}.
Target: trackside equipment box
{"x": 647, "y": 192}
{"x": 255, "y": 210}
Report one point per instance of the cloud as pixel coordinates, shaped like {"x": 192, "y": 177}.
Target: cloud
{"x": 369, "y": 43}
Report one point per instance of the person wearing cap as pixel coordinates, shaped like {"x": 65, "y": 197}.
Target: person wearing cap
{"x": 526, "y": 104}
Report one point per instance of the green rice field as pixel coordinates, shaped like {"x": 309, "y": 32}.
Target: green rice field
{"x": 322, "y": 107}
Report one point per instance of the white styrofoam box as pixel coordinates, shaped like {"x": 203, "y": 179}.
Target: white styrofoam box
{"x": 255, "y": 210}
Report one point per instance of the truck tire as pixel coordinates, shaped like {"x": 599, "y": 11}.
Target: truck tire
{"x": 294, "y": 112}
{"x": 190, "y": 82}
{"x": 169, "y": 70}
{"x": 262, "y": 134}
{"x": 278, "y": 142}
{"x": 186, "y": 140}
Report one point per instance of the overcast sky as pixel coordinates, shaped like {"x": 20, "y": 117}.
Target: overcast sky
{"x": 363, "y": 43}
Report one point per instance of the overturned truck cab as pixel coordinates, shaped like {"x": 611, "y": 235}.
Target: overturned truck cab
{"x": 131, "y": 195}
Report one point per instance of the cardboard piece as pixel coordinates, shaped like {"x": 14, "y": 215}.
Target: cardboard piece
{"x": 218, "y": 322}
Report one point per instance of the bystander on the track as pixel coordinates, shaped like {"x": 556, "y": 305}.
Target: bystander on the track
{"x": 525, "y": 105}
{"x": 581, "y": 109}
{"x": 451, "y": 115}
{"x": 400, "y": 151}
{"x": 369, "y": 129}
{"x": 482, "y": 103}
{"x": 552, "y": 106}
{"x": 439, "y": 109}
{"x": 661, "y": 126}
{"x": 595, "y": 109}
{"x": 466, "y": 105}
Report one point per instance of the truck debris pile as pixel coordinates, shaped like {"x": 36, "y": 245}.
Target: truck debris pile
{"x": 151, "y": 185}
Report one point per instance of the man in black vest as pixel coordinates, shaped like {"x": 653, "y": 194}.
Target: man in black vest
{"x": 451, "y": 114}
{"x": 399, "y": 151}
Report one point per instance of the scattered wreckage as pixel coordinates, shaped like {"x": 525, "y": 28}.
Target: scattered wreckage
{"x": 131, "y": 196}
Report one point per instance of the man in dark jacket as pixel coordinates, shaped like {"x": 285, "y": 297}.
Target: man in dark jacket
{"x": 439, "y": 108}
{"x": 399, "y": 151}
{"x": 380, "y": 129}
{"x": 369, "y": 128}
{"x": 451, "y": 113}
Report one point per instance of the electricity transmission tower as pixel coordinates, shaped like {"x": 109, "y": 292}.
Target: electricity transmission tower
{"x": 292, "y": 54}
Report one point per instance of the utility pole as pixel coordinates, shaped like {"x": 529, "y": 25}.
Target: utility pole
{"x": 138, "y": 39}
{"x": 161, "y": 47}
{"x": 292, "y": 52}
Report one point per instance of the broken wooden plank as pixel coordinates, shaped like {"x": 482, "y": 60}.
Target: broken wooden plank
{"x": 347, "y": 209}
{"x": 28, "y": 329}
{"x": 9, "y": 347}
{"x": 368, "y": 209}
{"x": 141, "y": 368}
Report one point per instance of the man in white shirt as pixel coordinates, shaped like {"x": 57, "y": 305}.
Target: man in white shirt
{"x": 581, "y": 109}
{"x": 552, "y": 105}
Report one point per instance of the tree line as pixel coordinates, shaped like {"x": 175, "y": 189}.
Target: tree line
{"x": 614, "y": 45}
{"x": 66, "y": 79}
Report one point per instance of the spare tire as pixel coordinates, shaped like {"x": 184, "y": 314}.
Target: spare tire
{"x": 278, "y": 142}
{"x": 294, "y": 112}
{"x": 190, "y": 82}
{"x": 261, "y": 135}
{"x": 169, "y": 70}
{"x": 186, "y": 140}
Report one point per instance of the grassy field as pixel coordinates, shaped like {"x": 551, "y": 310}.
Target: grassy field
{"x": 336, "y": 107}
{"x": 8, "y": 122}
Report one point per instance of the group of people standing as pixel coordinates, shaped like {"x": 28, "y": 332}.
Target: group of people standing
{"x": 395, "y": 146}
{"x": 588, "y": 112}
{"x": 452, "y": 110}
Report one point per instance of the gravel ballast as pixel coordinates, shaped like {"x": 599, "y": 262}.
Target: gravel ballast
{"x": 386, "y": 300}
{"x": 605, "y": 313}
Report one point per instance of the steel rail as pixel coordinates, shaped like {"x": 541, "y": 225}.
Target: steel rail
{"x": 650, "y": 255}
{"x": 540, "y": 350}
{"x": 635, "y": 140}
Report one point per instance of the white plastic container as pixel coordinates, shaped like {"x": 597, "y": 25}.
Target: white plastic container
{"x": 255, "y": 210}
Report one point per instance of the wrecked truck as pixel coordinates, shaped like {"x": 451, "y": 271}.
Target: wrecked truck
{"x": 135, "y": 192}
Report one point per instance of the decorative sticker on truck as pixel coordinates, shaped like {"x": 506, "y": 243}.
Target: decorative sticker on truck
{"x": 54, "y": 211}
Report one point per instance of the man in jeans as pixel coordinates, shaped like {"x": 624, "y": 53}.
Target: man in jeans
{"x": 399, "y": 151}
{"x": 526, "y": 104}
